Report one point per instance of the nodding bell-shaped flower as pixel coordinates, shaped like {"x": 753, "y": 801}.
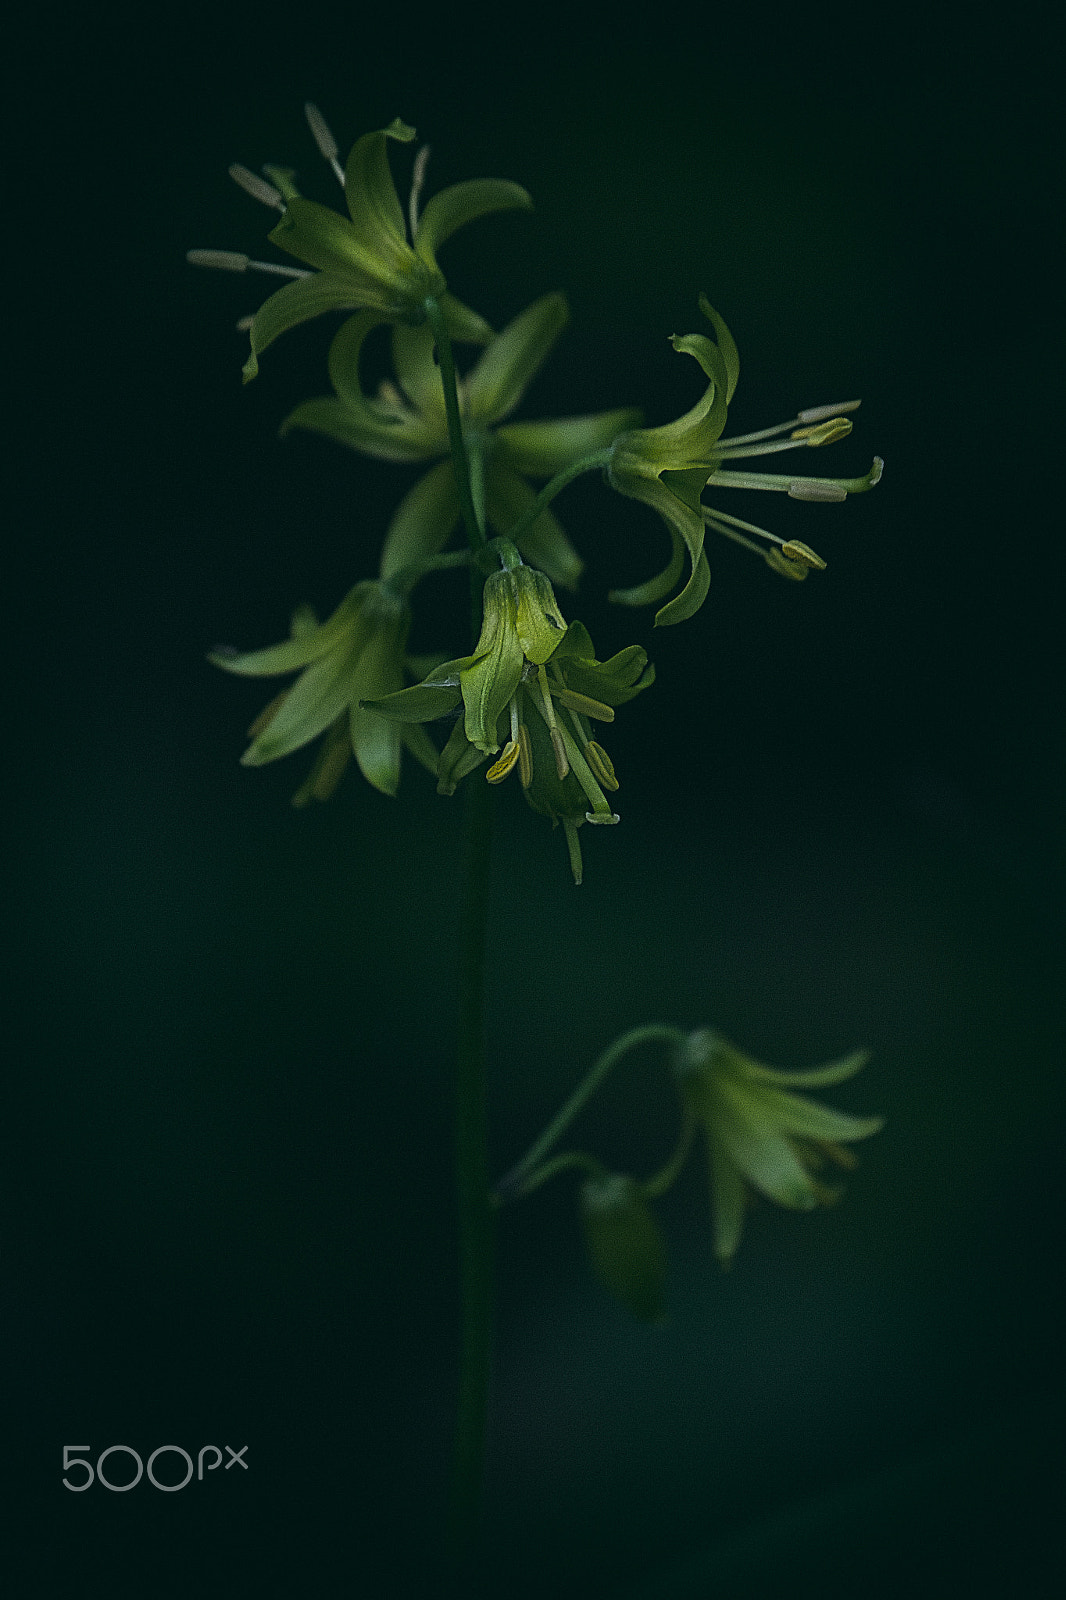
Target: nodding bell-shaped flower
{"x": 406, "y": 421}
{"x": 373, "y": 257}
{"x": 669, "y": 467}
{"x": 760, "y": 1135}
{"x": 356, "y": 655}
{"x": 534, "y": 687}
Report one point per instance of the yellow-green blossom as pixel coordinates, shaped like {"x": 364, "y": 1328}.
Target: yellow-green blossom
{"x": 370, "y": 258}
{"x": 761, "y": 1136}
{"x": 533, "y": 687}
{"x": 355, "y": 655}
{"x": 406, "y": 421}
{"x": 669, "y": 467}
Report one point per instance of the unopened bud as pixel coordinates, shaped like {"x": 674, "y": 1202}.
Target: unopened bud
{"x": 625, "y": 1244}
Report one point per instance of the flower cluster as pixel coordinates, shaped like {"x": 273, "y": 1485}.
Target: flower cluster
{"x": 532, "y": 689}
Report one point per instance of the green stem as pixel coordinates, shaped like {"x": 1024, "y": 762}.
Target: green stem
{"x": 598, "y": 458}
{"x": 476, "y": 1221}
{"x": 474, "y": 531}
{"x": 473, "y": 1193}
{"x": 515, "y": 1183}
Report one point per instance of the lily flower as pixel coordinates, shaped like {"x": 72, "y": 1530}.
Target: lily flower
{"x": 373, "y": 258}
{"x": 355, "y": 655}
{"x": 534, "y": 687}
{"x": 760, "y": 1135}
{"x": 406, "y": 421}
{"x": 670, "y": 466}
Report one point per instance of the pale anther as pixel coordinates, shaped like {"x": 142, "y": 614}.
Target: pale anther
{"x": 226, "y": 260}
{"x": 812, "y": 490}
{"x": 822, "y": 413}
{"x": 603, "y": 817}
{"x": 320, "y": 133}
{"x": 257, "y": 187}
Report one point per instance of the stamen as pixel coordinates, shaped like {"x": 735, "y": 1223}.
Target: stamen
{"x": 812, "y": 489}
{"x": 418, "y": 178}
{"x": 583, "y": 703}
{"x": 812, "y": 414}
{"x": 824, "y": 433}
{"x": 237, "y": 261}
{"x": 795, "y": 551}
{"x": 514, "y": 718}
{"x": 327, "y": 144}
{"x": 525, "y": 756}
{"x": 573, "y": 845}
{"x": 506, "y": 764}
{"x": 821, "y": 413}
{"x": 784, "y": 567}
{"x": 257, "y": 187}
{"x": 562, "y": 763}
{"x": 225, "y": 260}
{"x": 601, "y": 764}
{"x": 606, "y": 818}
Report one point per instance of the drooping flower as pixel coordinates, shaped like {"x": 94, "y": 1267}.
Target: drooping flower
{"x": 761, "y": 1136}
{"x": 370, "y": 258}
{"x": 406, "y": 421}
{"x": 669, "y": 467}
{"x": 356, "y": 655}
{"x": 625, "y": 1243}
{"x": 533, "y": 687}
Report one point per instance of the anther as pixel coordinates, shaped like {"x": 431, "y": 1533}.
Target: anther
{"x": 811, "y": 489}
{"x": 796, "y": 551}
{"x": 583, "y": 703}
{"x": 257, "y": 187}
{"x": 562, "y": 762}
{"x": 418, "y": 178}
{"x": 225, "y": 260}
{"x": 605, "y": 818}
{"x": 824, "y": 433}
{"x": 601, "y": 764}
{"x": 525, "y": 756}
{"x": 822, "y": 413}
{"x": 320, "y": 133}
{"x": 506, "y": 764}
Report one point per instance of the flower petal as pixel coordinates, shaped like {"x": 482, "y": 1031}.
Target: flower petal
{"x": 316, "y": 699}
{"x": 306, "y": 298}
{"x": 451, "y": 208}
{"x": 498, "y": 381}
{"x": 764, "y": 1157}
{"x": 419, "y": 374}
{"x": 304, "y": 647}
{"x": 376, "y": 213}
{"x": 813, "y": 1077}
{"x": 423, "y": 521}
{"x": 541, "y": 449}
{"x": 728, "y": 1199}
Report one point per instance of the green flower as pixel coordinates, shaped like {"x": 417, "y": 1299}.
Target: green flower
{"x": 669, "y": 467}
{"x": 760, "y": 1136}
{"x": 408, "y": 423}
{"x": 356, "y": 655}
{"x": 534, "y": 687}
{"x": 363, "y": 259}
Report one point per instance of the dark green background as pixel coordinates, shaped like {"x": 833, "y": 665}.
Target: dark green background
{"x": 230, "y": 1219}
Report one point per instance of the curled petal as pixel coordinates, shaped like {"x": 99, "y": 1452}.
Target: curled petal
{"x": 452, "y": 208}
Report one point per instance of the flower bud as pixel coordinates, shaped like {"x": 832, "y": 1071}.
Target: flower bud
{"x": 625, "y": 1244}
